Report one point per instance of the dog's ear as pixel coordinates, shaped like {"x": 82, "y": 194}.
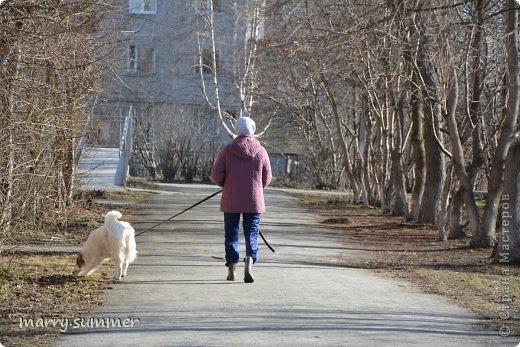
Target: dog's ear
{"x": 80, "y": 261}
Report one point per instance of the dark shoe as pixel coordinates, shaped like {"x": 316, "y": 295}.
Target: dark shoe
{"x": 248, "y": 274}
{"x": 231, "y": 272}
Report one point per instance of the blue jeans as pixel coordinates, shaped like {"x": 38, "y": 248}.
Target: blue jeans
{"x": 250, "y": 224}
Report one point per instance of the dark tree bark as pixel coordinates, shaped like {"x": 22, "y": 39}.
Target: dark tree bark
{"x": 485, "y": 235}
{"x": 508, "y": 250}
{"x": 434, "y": 161}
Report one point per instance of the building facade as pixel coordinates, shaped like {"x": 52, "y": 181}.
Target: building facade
{"x": 161, "y": 74}
{"x": 158, "y": 60}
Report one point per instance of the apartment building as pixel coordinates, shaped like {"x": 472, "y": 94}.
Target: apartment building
{"x": 159, "y": 60}
{"x": 161, "y": 72}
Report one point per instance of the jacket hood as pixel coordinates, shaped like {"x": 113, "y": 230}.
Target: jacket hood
{"x": 244, "y": 147}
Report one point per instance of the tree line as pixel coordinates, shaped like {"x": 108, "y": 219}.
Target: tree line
{"x": 49, "y": 76}
{"x": 411, "y": 104}
{"x": 404, "y": 98}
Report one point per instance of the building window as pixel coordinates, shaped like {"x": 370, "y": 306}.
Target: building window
{"x": 204, "y": 5}
{"x": 141, "y": 60}
{"x": 142, "y": 6}
{"x": 206, "y": 63}
{"x": 132, "y": 59}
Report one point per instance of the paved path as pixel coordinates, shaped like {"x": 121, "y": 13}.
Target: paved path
{"x": 177, "y": 295}
{"x": 97, "y": 168}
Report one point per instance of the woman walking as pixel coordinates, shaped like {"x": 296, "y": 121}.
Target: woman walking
{"x": 242, "y": 168}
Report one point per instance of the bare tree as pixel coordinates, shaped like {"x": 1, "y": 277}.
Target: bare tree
{"x": 49, "y": 68}
{"x": 390, "y": 91}
{"x": 458, "y": 152}
{"x": 228, "y": 59}
{"x": 485, "y": 235}
{"x": 508, "y": 247}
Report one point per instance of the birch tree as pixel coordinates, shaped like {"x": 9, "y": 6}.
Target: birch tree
{"x": 228, "y": 72}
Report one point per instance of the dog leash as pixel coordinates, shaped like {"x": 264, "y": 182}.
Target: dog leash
{"x": 192, "y": 206}
{"x": 265, "y": 241}
{"x": 178, "y": 214}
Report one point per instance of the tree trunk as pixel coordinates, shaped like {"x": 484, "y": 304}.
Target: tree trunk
{"x": 69, "y": 169}
{"x": 485, "y": 235}
{"x": 7, "y": 188}
{"x": 443, "y": 208}
{"x": 434, "y": 161}
{"x": 354, "y": 183}
{"x": 508, "y": 250}
{"x": 417, "y": 143}
{"x": 365, "y": 134}
{"x": 411, "y": 36}
{"x": 434, "y": 167}
{"x": 398, "y": 198}
{"x": 456, "y": 228}
{"x": 11, "y": 71}
{"x": 478, "y": 75}
{"x": 458, "y": 153}
{"x": 398, "y": 205}
{"x": 384, "y": 188}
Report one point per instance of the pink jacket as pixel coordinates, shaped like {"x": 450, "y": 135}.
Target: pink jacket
{"x": 243, "y": 170}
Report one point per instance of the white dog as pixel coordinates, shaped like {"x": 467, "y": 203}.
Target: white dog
{"x": 114, "y": 240}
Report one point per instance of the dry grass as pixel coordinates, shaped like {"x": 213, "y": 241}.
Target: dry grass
{"x": 42, "y": 286}
{"x": 36, "y": 286}
{"x": 72, "y": 225}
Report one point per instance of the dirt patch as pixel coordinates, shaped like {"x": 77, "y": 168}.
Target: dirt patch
{"x": 339, "y": 220}
{"x": 412, "y": 252}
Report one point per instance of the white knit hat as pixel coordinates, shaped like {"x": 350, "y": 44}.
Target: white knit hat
{"x": 245, "y": 126}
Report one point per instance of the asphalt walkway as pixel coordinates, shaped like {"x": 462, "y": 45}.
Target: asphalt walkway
{"x": 97, "y": 168}
{"x": 176, "y": 294}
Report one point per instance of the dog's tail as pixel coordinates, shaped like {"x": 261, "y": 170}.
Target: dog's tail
{"x": 131, "y": 248}
{"x": 112, "y": 216}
